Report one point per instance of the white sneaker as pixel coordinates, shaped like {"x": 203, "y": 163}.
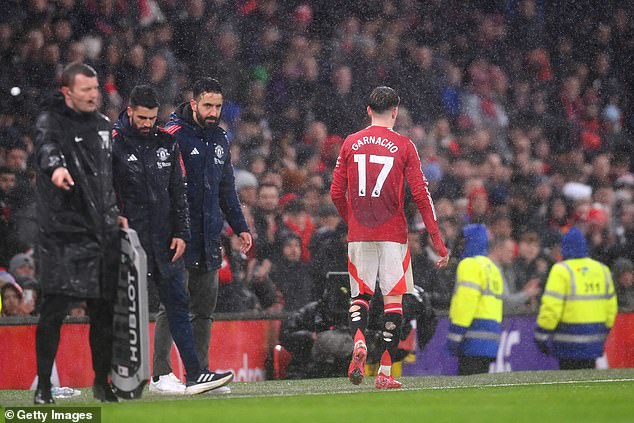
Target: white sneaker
{"x": 167, "y": 385}
{"x": 219, "y": 391}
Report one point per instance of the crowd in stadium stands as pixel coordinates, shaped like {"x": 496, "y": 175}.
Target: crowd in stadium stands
{"x": 522, "y": 111}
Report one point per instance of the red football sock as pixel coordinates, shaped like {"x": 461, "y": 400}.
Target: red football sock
{"x": 386, "y": 364}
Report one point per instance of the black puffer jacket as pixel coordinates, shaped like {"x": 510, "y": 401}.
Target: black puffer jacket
{"x": 79, "y": 240}
{"x": 150, "y": 189}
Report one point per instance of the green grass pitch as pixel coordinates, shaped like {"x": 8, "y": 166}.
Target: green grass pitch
{"x": 535, "y": 397}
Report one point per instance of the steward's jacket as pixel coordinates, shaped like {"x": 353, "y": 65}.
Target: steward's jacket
{"x": 475, "y": 312}
{"x": 578, "y": 308}
{"x": 211, "y": 190}
{"x": 150, "y": 188}
{"x": 78, "y": 249}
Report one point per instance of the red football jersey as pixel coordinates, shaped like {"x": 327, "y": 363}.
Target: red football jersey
{"x": 371, "y": 169}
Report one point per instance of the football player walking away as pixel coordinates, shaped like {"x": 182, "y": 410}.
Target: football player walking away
{"x": 368, "y": 190}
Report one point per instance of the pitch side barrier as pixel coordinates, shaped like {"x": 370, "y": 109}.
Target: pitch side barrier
{"x": 249, "y": 315}
{"x": 246, "y": 345}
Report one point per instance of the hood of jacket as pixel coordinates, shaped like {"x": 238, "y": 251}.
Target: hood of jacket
{"x": 56, "y": 103}
{"x": 183, "y": 114}
{"x": 53, "y": 102}
{"x": 476, "y": 241}
{"x": 574, "y": 245}
{"x": 124, "y": 126}
{"x": 123, "y": 123}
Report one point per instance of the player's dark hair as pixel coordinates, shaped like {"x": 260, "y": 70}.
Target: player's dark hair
{"x": 71, "y": 71}
{"x": 383, "y": 99}
{"x": 144, "y": 96}
{"x": 206, "y": 85}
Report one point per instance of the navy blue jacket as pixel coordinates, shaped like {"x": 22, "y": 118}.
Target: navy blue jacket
{"x": 211, "y": 190}
{"x": 150, "y": 188}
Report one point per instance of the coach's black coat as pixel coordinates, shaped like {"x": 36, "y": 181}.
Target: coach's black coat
{"x": 78, "y": 232}
{"x": 150, "y": 187}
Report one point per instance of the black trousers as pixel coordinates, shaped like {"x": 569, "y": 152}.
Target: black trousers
{"x": 572, "y": 364}
{"x": 473, "y": 365}
{"x": 54, "y": 309}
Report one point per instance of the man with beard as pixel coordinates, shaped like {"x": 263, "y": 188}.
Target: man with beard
{"x": 150, "y": 189}
{"x": 211, "y": 193}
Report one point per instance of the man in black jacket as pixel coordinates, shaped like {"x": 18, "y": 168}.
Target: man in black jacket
{"x": 78, "y": 249}
{"x": 150, "y": 189}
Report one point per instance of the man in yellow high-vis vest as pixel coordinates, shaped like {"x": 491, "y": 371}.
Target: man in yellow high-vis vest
{"x": 578, "y": 307}
{"x": 476, "y": 306}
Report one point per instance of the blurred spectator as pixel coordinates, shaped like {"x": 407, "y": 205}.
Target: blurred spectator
{"x": 12, "y": 297}
{"x": 16, "y": 157}
{"x": 296, "y": 220}
{"x": 22, "y": 265}
{"x": 290, "y": 274}
{"x": 161, "y": 78}
{"x": 526, "y": 28}
{"x": 267, "y": 221}
{"x": 246, "y": 187}
{"x": 425, "y": 81}
{"x": 233, "y": 294}
{"x": 342, "y": 114}
{"x": 31, "y": 295}
{"x": 623, "y": 275}
{"x": 531, "y": 264}
{"x": 78, "y": 309}
{"x": 437, "y": 283}
{"x": 330, "y": 255}
{"x": 516, "y": 298}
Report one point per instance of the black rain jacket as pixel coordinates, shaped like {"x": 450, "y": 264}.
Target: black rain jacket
{"x": 150, "y": 187}
{"x": 79, "y": 247}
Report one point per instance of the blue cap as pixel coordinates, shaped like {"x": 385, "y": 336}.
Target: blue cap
{"x": 476, "y": 241}
{"x": 574, "y": 245}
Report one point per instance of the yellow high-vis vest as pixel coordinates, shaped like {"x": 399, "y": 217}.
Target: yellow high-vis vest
{"x": 578, "y": 307}
{"x": 476, "y": 307}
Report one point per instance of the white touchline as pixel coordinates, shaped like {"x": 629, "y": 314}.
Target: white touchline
{"x": 503, "y": 385}
{"x": 429, "y": 388}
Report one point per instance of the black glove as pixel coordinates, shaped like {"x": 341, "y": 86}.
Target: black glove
{"x": 543, "y": 347}
{"x": 542, "y": 340}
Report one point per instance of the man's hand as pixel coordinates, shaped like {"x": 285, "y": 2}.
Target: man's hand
{"x": 123, "y": 222}
{"x": 246, "y": 241}
{"x": 532, "y": 288}
{"x": 178, "y": 245}
{"x": 442, "y": 262}
{"x": 61, "y": 179}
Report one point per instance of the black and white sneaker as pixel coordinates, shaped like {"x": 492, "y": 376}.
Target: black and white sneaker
{"x": 206, "y": 381}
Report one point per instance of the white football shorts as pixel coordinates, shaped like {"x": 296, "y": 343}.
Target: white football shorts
{"x": 385, "y": 261}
